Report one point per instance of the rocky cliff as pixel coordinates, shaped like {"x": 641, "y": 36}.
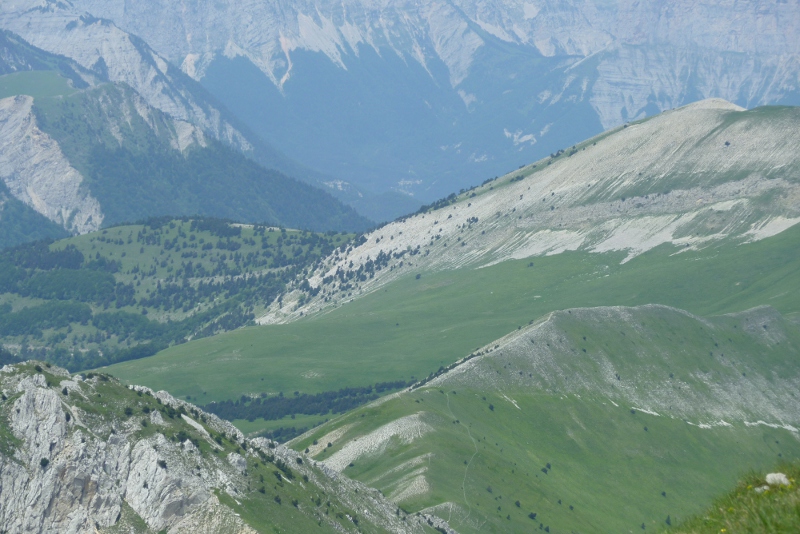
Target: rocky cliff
{"x": 87, "y": 454}
{"x": 36, "y": 171}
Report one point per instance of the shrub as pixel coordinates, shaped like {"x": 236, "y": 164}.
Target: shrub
{"x": 44, "y": 462}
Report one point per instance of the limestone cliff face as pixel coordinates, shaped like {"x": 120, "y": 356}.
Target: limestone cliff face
{"x": 35, "y": 170}
{"x": 74, "y": 459}
{"x": 102, "y": 47}
{"x": 672, "y": 48}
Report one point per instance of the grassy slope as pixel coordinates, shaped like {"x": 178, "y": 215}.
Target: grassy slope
{"x": 415, "y": 326}
{"x": 746, "y": 510}
{"x": 609, "y": 464}
{"x": 34, "y": 83}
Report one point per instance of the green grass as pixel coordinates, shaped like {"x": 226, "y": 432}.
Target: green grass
{"x": 604, "y": 464}
{"x": 413, "y": 327}
{"x": 745, "y": 510}
{"x": 259, "y": 426}
{"x": 483, "y": 452}
{"x": 38, "y": 84}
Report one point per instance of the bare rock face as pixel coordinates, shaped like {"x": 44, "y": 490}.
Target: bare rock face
{"x": 649, "y": 47}
{"x": 74, "y": 458}
{"x": 37, "y": 172}
{"x": 101, "y": 46}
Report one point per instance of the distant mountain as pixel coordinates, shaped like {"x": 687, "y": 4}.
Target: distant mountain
{"x": 427, "y": 98}
{"x": 100, "y": 50}
{"x": 87, "y": 454}
{"x": 87, "y": 153}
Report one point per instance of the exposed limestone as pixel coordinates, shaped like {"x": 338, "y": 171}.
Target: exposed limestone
{"x": 36, "y": 171}
{"x": 69, "y": 463}
{"x": 689, "y": 177}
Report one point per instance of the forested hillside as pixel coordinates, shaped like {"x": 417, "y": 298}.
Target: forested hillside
{"x": 144, "y": 165}
{"x": 127, "y": 292}
{"x": 20, "y": 223}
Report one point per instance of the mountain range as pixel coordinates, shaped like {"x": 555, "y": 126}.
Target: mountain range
{"x": 429, "y": 98}
{"x": 620, "y": 316}
{"x": 84, "y": 153}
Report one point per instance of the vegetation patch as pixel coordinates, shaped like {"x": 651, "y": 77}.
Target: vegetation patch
{"x": 128, "y": 292}
{"x": 754, "y": 505}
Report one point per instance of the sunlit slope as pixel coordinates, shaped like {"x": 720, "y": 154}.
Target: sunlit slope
{"x": 413, "y": 327}
{"x": 595, "y": 420}
{"x": 689, "y": 177}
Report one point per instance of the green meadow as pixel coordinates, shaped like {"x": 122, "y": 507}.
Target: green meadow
{"x": 607, "y": 473}
{"x": 413, "y": 326}
{"x": 36, "y": 83}
{"x": 519, "y": 433}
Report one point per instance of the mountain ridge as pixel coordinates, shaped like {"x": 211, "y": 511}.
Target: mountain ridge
{"x": 544, "y": 394}
{"x": 492, "y": 84}
{"x": 663, "y": 180}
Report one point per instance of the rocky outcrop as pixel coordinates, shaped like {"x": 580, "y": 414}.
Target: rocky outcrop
{"x": 36, "y": 171}
{"x": 85, "y": 453}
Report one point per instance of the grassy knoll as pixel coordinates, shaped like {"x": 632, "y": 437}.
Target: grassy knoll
{"x": 744, "y": 509}
{"x": 415, "y": 326}
{"x": 38, "y": 84}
